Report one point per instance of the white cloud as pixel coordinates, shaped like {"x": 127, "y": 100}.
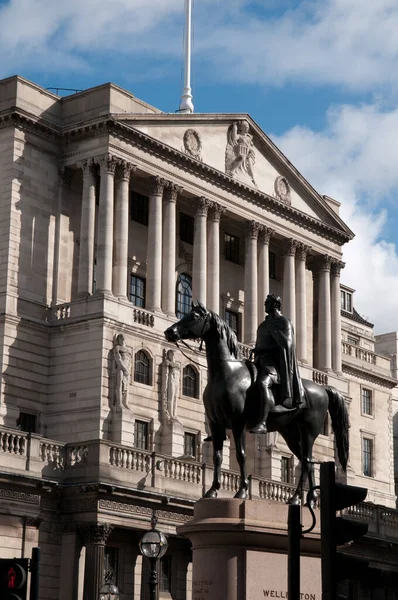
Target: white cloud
{"x": 354, "y": 160}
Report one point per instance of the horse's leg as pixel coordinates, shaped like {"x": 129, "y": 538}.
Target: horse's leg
{"x": 292, "y": 437}
{"x": 238, "y": 430}
{"x": 218, "y": 437}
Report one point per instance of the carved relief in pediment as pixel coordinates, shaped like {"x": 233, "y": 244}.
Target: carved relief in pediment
{"x": 282, "y": 189}
{"x": 193, "y": 144}
{"x": 239, "y": 153}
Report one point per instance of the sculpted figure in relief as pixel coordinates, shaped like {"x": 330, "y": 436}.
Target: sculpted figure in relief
{"x": 170, "y": 383}
{"x": 122, "y": 365}
{"x": 239, "y": 153}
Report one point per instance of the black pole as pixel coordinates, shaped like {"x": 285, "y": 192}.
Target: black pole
{"x": 153, "y": 579}
{"x": 293, "y": 564}
{"x": 328, "y": 540}
{"x": 34, "y": 574}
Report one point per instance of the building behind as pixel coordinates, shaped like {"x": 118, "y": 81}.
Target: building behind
{"x": 114, "y": 217}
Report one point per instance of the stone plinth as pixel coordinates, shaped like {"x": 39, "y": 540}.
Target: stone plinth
{"x": 123, "y": 426}
{"x": 240, "y": 551}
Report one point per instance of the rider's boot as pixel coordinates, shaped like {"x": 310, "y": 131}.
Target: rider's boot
{"x": 268, "y": 401}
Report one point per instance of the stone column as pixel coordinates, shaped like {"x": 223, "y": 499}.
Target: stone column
{"x": 324, "y": 315}
{"x": 199, "y": 270}
{"x": 69, "y": 567}
{"x": 94, "y": 536}
{"x": 289, "y": 281}
{"x": 251, "y": 293}
{"x": 169, "y": 249}
{"x": 121, "y": 232}
{"x": 58, "y": 291}
{"x": 105, "y": 224}
{"x": 301, "y": 305}
{"x": 336, "y": 267}
{"x": 154, "y": 245}
{"x": 263, "y": 269}
{"x": 87, "y": 230}
{"x": 213, "y": 275}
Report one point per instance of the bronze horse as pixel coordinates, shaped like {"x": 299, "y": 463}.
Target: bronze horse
{"x": 230, "y": 403}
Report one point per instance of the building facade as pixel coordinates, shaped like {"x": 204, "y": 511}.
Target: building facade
{"x": 114, "y": 217}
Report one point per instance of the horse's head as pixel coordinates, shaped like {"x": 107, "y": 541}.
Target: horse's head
{"x": 194, "y": 325}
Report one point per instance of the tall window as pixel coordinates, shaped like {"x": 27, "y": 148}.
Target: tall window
{"x": 165, "y": 574}
{"x": 272, "y": 265}
{"x": 139, "y": 208}
{"x": 27, "y": 422}
{"x": 190, "y": 444}
{"x": 111, "y": 562}
{"x": 353, "y": 340}
{"x": 141, "y": 435}
{"x": 346, "y": 300}
{"x": 137, "y": 291}
{"x": 184, "y": 295}
{"x": 187, "y": 224}
{"x": 366, "y": 401}
{"x": 367, "y": 457}
{"x": 142, "y": 368}
{"x": 286, "y": 469}
{"x": 231, "y": 248}
{"x": 190, "y": 382}
{"x": 232, "y": 319}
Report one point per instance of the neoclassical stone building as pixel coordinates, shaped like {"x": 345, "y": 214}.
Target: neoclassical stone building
{"x": 114, "y": 217}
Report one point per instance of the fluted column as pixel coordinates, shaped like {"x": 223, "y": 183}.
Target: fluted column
{"x": 87, "y": 230}
{"x": 121, "y": 234}
{"x": 336, "y": 267}
{"x": 213, "y": 274}
{"x": 94, "y": 536}
{"x": 289, "y": 280}
{"x": 199, "y": 271}
{"x": 324, "y": 315}
{"x": 154, "y": 245}
{"x": 251, "y": 286}
{"x": 59, "y": 294}
{"x": 263, "y": 269}
{"x": 301, "y": 302}
{"x": 169, "y": 249}
{"x": 105, "y": 223}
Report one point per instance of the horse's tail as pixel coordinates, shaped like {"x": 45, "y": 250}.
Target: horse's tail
{"x": 339, "y": 415}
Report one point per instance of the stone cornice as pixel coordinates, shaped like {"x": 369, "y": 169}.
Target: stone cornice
{"x": 383, "y": 380}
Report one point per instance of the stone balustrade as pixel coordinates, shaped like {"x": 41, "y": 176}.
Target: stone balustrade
{"x": 363, "y": 355}
{"x": 13, "y": 442}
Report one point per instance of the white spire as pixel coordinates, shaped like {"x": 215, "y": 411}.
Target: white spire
{"x": 186, "y": 105}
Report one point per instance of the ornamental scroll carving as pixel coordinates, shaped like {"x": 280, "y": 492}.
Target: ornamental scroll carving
{"x": 282, "y": 189}
{"x": 193, "y": 144}
{"x": 239, "y": 153}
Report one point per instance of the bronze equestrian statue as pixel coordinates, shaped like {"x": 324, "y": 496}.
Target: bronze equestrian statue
{"x": 276, "y": 400}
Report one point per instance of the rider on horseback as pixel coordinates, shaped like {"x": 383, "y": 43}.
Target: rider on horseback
{"x": 276, "y": 362}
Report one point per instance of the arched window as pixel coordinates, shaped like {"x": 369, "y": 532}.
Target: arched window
{"x": 190, "y": 382}
{"x": 184, "y": 295}
{"x": 142, "y": 368}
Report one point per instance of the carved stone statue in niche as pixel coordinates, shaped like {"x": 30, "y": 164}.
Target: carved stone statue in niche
{"x": 122, "y": 367}
{"x": 170, "y": 383}
{"x": 239, "y": 153}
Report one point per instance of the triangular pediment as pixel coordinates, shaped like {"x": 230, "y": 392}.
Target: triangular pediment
{"x": 235, "y": 145}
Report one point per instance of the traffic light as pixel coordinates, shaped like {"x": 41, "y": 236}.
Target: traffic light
{"x": 13, "y": 578}
{"x": 336, "y": 531}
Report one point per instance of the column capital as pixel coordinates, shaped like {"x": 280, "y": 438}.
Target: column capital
{"x": 95, "y": 533}
{"x": 202, "y": 206}
{"x": 125, "y": 169}
{"x": 107, "y": 163}
{"x": 302, "y": 251}
{"x": 290, "y": 246}
{"x": 336, "y": 267}
{"x": 265, "y": 234}
{"x": 171, "y": 191}
{"x": 252, "y": 229}
{"x": 87, "y": 166}
{"x": 216, "y": 211}
{"x": 325, "y": 262}
{"x": 156, "y": 185}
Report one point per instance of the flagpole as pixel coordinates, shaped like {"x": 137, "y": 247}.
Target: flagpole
{"x": 186, "y": 105}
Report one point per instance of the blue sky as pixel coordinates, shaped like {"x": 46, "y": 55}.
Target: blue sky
{"x": 319, "y": 76}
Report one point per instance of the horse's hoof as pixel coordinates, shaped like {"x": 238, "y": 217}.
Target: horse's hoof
{"x": 211, "y": 493}
{"x": 242, "y": 494}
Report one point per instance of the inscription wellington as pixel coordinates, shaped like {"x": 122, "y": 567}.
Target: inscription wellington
{"x": 280, "y": 594}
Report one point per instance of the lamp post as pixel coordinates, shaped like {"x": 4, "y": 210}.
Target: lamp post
{"x": 153, "y": 545}
{"x": 109, "y": 591}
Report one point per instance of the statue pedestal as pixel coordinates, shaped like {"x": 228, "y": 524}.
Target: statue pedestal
{"x": 172, "y": 435}
{"x": 240, "y": 551}
{"x": 123, "y": 426}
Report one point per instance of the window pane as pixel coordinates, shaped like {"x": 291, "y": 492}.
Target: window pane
{"x": 139, "y": 208}
{"x": 367, "y": 456}
{"x": 190, "y": 444}
{"x": 184, "y": 295}
{"x": 232, "y": 319}
{"x": 366, "y": 401}
{"x": 186, "y": 228}
{"x": 165, "y": 574}
{"x": 272, "y": 265}
{"x": 190, "y": 382}
{"x": 111, "y": 560}
{"x": 286, "y": 469}
{"x": 27, "y": 422}
{"x": 231, "y": 248}
{"x": 137, "y": 291}
{"x": 142, "y": 368}
{"x": 141, "y": 435}
{"x": 348, "y": 302}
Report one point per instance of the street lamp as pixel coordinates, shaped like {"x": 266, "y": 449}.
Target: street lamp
{"x": 109, "y": 590}
{"x": 153, "y": 545}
